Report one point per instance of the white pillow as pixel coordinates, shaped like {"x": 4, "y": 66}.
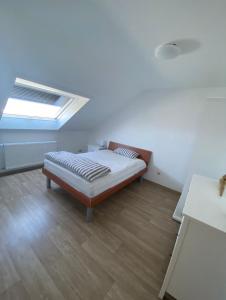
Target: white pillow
{"x": 126, "y": 152}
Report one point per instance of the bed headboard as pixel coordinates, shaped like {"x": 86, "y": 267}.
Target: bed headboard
{"x": 143, "y": 154}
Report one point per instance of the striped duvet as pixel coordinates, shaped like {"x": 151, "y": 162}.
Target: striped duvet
{"x": 81, "y": 166}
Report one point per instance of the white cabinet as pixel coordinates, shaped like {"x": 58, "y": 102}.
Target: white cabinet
{"x": 197, "y": 269}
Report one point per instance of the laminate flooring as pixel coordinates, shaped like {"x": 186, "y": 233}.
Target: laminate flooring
{"x": 48, "y": 251}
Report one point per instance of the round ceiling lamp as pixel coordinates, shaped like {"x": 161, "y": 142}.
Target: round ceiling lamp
{"x": 167, "y": 51}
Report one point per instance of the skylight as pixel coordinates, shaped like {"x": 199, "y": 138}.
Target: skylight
{"x": 29, "y": 109}
{"x": 33, "y": 101}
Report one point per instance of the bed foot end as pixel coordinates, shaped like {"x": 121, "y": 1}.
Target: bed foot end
{"x": 48, "y": 183}
{"x": 89, "y": 214}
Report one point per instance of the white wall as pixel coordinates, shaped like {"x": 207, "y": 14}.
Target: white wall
{"x": 17, "y": 136}
{"x": 67, "y": 140}
{"x": 209, "y": 155}
{"x": 73, "y": 141}
{"x": 164, "y": 122}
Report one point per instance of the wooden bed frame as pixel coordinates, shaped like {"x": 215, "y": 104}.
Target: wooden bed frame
{"x": 91, "y": 202}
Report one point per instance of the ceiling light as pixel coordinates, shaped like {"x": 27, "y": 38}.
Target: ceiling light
{"x": 167, "y": 51}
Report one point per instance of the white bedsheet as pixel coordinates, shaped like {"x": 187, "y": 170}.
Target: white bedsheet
{"x": 121, "y": 169}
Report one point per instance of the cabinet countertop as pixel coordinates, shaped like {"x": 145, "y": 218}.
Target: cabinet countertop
{"x": 204, "y": 204}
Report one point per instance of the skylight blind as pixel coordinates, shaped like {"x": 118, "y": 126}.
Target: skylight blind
{"x": 23, "y": 93}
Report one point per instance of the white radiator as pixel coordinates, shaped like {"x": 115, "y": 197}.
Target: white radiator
{"x": 2, "y": 160}
{"x": 19, "y": 155}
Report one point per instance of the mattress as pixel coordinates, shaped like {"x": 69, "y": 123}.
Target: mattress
{"x": 121, "y": 169}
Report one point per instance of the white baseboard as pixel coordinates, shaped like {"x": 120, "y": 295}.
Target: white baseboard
{"x": 176, "y": 218}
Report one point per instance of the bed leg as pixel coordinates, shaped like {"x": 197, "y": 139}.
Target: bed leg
{"x": 141, "y": 179}
{"x": 48, "y": 183}
{"x": 89, "y": 214}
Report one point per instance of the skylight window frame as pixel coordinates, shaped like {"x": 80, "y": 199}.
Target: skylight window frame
{"x": 66, "y": 105}
{"x": 69, "y": 109}
{"x": 40, "y": 87}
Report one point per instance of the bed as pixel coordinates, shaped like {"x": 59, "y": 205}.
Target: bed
{"x": 124, "y": 170}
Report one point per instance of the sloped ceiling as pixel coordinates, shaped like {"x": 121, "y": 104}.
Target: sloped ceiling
{"x": 104, "y": 49}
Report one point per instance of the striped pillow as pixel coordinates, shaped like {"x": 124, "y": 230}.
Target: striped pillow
{"x": 126, "y": 152}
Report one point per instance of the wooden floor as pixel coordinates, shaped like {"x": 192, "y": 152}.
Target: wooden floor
{"x": 48, "y": 251}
